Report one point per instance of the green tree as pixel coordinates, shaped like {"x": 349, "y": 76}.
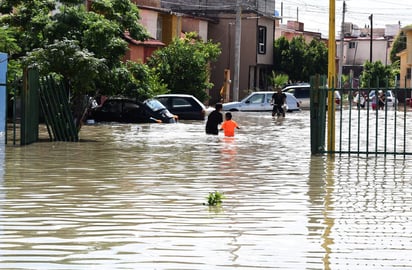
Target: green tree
{"x": 83, "y": 48}
{"x": 77, "y": 68}
{"x": 8, "y": 44}
{"x": 101, "y": 29}
{"x": 296, "y": 58}
{"x": 316, "y": 59}
{"x": 139, "y": 81}
{"x": 98, "y": 32}
{"x": 29, "y": 19}
{"x": 278, "y": 80}
{"x": 376, "y": 74}
{"x": 184, "y": 65}
{"x": 398, "y": 45}
{"x": 93, "y": 32}
{"x": 281, "y": 55}
{"x": 297, "y": 51}
{"x": 124, "y": 14}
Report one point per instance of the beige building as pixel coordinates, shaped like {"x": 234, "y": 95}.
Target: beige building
{"x": 406, "y": 60}
{"x": 356, "y": 51}
{"x": 357, "y": 46}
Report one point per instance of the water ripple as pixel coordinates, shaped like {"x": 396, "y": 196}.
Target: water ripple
{"x": 133, "y": 197}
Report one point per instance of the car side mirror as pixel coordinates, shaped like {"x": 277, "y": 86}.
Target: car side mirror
{"x": 247, "y": 101}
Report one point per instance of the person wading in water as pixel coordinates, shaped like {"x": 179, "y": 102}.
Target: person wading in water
{"x": 278, "y": 100}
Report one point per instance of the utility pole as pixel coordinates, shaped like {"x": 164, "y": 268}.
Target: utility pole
{"x": 371, "y": 36}
{"x": 342, "y": 37}
{"x": 237, "y": 50}
{"x": 331, "y": 76}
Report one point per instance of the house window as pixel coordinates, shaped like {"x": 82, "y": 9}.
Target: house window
{"x": 261, "y": 39}
{"x": 408, "y": 73}
{"x": 352, "y": 45}
{"x": 159, "y": 28}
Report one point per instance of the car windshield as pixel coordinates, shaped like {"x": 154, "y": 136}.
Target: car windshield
{"x": 154, "y": 104}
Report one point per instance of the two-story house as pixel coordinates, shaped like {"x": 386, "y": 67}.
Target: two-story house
{"x": 406, "y": 60}
{"x": 359, "y": 46}
{"x": 256, "y": 42}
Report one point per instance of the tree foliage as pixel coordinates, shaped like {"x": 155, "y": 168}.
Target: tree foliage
{"x": 28, "y": 19}
{"x": 398, "y": 45}
{"x": 122, "y": 13}
{"x": 281, "y": 55}
{"x": 77, "y": 67}
{"x": 8, "y": 44}
{"x": 85, "y": 49}
{"x": 297, "y": 59}
{"x": 183, "y": 65}
{"x": 93, "y": 38}
{"x": 376, "y": 74}
{"x": 316, "y": 59}
{"x": 143, "y": 82}
{"x": 93, "y": 32}
{"x": 278, "y": 80}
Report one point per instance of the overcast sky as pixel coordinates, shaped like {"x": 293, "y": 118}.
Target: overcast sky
{"x": 315, "y": 13}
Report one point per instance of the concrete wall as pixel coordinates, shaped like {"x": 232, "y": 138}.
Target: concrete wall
{"x": 195, "y": 25}
{"x": 267, "y": 58}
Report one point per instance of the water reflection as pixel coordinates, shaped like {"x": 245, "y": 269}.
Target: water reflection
{"x": 132, "y": 197}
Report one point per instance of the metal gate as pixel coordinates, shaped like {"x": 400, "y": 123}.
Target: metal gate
{"x": 46, "y": 99}
{"x": 54, "y": 102}
{"x": 362, "y": 125}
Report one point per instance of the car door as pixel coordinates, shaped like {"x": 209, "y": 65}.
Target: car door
{"x": 111, "y": 111}
{"x": 182, "y": 107}
{"x": 255, "y": 102}
{"x": 133, "y": 113}
{"x": 268, "y": 101}
{"x": 302, "y": 94}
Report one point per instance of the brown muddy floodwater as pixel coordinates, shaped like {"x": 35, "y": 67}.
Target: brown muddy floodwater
{"x": 133, "y": 197}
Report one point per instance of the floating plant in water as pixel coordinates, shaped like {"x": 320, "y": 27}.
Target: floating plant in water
{"x": 215, "y": 198}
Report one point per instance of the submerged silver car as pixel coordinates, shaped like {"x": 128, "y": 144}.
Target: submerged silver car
{"x": 389, "y": 98}
{"x": 302, "y": 93}
{"x": 260, "y": 101}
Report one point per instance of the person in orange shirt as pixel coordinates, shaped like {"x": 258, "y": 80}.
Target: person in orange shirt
{"x": 229, "y": 125}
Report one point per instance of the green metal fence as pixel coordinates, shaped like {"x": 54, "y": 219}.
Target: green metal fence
{"x": 29, "y": 131}
{"x": 361, "y": 127}
{"x": 55, "y": 106}
{"x": 42, "y": 99}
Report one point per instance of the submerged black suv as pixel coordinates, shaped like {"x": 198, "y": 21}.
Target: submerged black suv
{"x": 124, "y": 110}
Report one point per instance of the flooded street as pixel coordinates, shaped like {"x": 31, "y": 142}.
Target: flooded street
{"x": 133, "y": 197}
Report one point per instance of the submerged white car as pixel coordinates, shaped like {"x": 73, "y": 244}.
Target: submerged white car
{"x": 389, "y": 98}
{"x": 302, "y": 93}
{"x": 260, "y": 101}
